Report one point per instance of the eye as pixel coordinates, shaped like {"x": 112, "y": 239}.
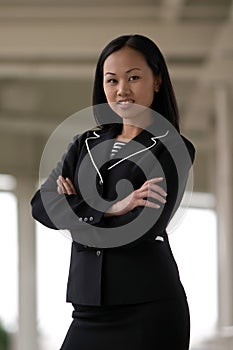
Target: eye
{"x": 134, "y": 77}
{"x": 112, "y": 81}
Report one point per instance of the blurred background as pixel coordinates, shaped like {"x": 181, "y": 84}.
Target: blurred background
{"x": 48, "y": 51}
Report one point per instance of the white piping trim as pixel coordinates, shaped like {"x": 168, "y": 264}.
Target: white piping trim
{"x": 142, "y": 150}
{"x": 92, "y": 160}
{"x": 121, "y": 160}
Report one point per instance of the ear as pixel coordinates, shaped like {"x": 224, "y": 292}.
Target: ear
{"x": 157, "y": 83}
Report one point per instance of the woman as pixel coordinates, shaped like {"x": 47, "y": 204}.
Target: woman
{"x": 123, "y": 281}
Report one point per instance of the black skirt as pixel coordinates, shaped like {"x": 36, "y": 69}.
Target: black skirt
{"x": 157, "y": 325}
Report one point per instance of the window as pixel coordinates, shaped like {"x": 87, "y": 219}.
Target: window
{"x": 8, "y": 261}
{"x": 194, "y": 245}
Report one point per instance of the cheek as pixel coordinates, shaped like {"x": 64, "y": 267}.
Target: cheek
{"x": 148, "y": 94}
{"x": 109, "y": 93}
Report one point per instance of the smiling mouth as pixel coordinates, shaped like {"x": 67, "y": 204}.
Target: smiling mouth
{"x": 125, "y": 102}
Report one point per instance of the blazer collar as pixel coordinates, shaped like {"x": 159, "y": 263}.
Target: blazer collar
{"x": 141, "y": 143}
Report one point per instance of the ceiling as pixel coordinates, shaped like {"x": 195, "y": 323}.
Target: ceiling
{"x": 48, "y": 55}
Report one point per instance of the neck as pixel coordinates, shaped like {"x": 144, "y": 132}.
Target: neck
{"x": 130, "y": 131}
{"x": 132, "y": 128}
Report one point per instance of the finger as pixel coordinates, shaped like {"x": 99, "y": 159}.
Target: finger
{"x": 156, "y": 196}
{"x": 149, "y": 204}
{"x": 152, "y": 194}
{"x": 61, "y": 178}
{"x": 154, "y": 180}
{"x": 71, "y": 185}
{"x": 67, "y": 187}
{"x": 60, "y": 181}
{"x": 61, "y": 189}
{"x": 64, "y": 187}
{"x": 158, "y": 189}
{"x": 155, "y": 188}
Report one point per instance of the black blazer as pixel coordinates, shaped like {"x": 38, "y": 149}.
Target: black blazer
{"x": 114, "y": 260}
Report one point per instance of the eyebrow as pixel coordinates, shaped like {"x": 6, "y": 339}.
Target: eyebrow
{"x": 128, "y": 71}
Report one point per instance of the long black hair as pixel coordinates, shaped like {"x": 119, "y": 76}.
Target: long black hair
{"x": 164, "y": 101}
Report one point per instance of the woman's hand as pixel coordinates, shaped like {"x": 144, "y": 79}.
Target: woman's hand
{"x": 65, "y": 186}
{"x": 149, "y": 189}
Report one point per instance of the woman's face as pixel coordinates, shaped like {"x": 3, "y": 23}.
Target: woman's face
{"x": 128, "y": 82}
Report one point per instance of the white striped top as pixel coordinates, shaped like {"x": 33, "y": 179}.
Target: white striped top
{"x": 116, "y": 147}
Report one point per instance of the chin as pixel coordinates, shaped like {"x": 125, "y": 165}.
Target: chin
{"x": 129, "y": 112}
{"x": 137, "y": 117}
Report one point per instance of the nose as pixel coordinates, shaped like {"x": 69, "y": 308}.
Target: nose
{"x": 123, "y": 89}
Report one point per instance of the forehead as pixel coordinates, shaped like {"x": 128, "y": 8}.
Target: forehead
{"x": 124, "y": 59}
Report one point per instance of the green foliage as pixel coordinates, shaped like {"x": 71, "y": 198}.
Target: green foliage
{"x": 4, "y": 338}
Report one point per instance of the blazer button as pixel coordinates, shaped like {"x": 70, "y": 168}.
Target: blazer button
{"x": 80, "y": 219}
{"x": 98, "y": 252}
{"x": 85, "y": 219}
{"x": 91, "y": 218}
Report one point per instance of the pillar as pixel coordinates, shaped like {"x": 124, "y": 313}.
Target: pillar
{"x": 27, "y": 333}
{"x": 224, "y": 207}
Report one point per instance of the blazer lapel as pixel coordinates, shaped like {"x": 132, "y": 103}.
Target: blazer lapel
{"x": 100, "y": 143}
{"x": 137, "y": 148}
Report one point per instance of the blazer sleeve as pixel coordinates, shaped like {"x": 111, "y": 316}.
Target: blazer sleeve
{"x": 59, "y": 211}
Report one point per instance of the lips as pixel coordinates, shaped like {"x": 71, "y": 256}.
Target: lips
{"x": 125, "y": 102}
